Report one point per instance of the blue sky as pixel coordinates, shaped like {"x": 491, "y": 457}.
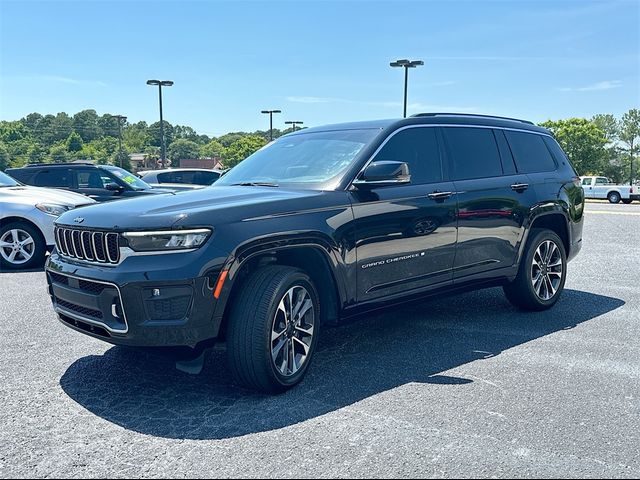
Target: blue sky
{"x": 318, "y": 61}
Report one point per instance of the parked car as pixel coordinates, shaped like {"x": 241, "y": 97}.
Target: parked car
{"x": 26, "y": 221}
{"x": 180, "y": 178}
{"x": 100, "y": 182}
{"x": 322, "y": 224}
{"x": 603, "y": 188}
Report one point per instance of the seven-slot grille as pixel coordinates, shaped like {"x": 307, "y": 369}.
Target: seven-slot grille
{"x": 91, "y": 246}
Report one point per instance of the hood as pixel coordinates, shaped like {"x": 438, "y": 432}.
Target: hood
{"x": 207, "y": 206}
{"x": 35, "y": 195}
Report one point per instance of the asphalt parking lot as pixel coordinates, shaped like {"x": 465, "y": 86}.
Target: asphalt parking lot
{"x": 458, "y": 387}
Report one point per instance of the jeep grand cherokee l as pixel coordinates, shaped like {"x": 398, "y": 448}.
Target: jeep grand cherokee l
{"x": 319, "y": 225}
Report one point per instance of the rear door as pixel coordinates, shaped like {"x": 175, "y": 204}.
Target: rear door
{"x": 493, "y": 200}
{"x": 406, "y": 234}
{"x": 57, "y": 177}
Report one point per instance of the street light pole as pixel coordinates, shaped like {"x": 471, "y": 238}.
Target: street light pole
{"x": 271, "y": 112}
{"x": 293, "y": 124}
{"x": 407, "y": 64}
{"x": 160, "y": 84}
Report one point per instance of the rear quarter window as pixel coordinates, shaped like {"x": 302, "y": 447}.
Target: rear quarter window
{"x": 58, "y": 177}
{"x": 530, "y": 152}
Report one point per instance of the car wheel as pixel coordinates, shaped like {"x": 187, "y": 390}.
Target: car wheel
{"x": 614, "y": 197}
{"x": 541, "y": 274}
{"x": 21, "y": 246}
{"x": 273, "y": 329}
{"x": 627, "y": 201}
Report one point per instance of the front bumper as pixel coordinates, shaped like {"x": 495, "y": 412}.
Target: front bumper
{"x": 157, "y": 310}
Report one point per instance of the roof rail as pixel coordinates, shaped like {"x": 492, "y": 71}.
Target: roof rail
{"x": 472, "y": 115}
{"x": 44, "y": 164}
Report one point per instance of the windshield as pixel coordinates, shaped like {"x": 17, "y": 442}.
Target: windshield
{"x": 128, "y": 178}
{"x": 7, "y": 181}
{"x": 303, "y": 160}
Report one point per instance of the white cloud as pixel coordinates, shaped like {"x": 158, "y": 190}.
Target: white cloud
{"x": 594, "y": 87}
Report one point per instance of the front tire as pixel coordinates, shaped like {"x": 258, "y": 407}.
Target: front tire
{"x": 627, "y": 201}
{"x": 21, "y": 246}
{"x": 542, "y": 272}
{"x": 273, "y": 329}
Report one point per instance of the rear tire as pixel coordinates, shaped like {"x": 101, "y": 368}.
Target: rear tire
{"x": 273, "y": 329}
{"x": 541, "y": 274}
{"x": 613, "y": 197}
{"x": 22, "y": 246}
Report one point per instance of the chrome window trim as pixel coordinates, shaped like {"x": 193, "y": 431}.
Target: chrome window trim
{"x": 82, "y": 318}
{"x": 435, "y": 125}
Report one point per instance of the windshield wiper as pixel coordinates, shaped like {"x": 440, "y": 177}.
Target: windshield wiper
{"x": 254, "y": 184}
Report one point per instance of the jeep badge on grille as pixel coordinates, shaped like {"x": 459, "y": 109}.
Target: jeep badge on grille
{"x": 78, "y": 219}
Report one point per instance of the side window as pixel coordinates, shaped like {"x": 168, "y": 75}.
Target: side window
{"x": 602, "y": 181}
{"x": 418, "y": 147}
{"x": 586, "y": 181}
{"x": 530, "y": 152}
{"x": 89, "y": 179}
{"x": 56, "y": 177}
{"x": 206, "y": 178}
{"x": 474, "y": 152}
{"x": 166, "y": 177}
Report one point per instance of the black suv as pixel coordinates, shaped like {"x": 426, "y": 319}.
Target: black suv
{"x": 323, "y": 224}
{"x": 100, "y": 182}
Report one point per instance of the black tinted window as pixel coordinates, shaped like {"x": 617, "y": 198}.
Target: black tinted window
{"x": 530, "y": 152}
{"x": 474, "y": 152}
{"x": 58, "y": 177}
{"x": 418, "y": 147}
{"x": 207, "y": 178}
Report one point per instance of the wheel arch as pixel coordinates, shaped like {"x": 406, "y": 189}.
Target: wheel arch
{"x": 7, "y": 220}
{"x": 314, "y": 255}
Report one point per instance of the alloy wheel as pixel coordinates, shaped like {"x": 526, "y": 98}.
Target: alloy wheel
{"x": 547, "y": 269}
{"x": 292, "y": 331}
{"x": 17, "y": 246}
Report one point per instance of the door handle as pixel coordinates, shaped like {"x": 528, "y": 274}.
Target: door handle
{"x": 519, "y": 187}
{"x": 439, "y": 195}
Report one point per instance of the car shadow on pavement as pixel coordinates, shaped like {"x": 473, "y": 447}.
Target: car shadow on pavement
{"x": 375, "y": 353}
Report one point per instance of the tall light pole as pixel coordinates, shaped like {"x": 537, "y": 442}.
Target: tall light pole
{"x": 271, "y": 112}
{"x": 293, "y": 124}
{"x": 407, "y": 64}
{"x": 120, "y": 119}
{"x": 160, "y": 84}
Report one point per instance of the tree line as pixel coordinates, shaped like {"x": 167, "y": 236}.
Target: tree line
{"x": 602, "y": 145}
{"x": 89, "y": 136}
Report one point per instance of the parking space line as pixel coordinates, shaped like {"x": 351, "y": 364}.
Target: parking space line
{"x": 607, "y": 212}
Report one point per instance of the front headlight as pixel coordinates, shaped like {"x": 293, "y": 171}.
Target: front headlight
{"x": 167, "y": 240}
{"x": 52, "y": 208}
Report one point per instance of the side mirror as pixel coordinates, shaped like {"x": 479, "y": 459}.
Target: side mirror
{"x": 114, "y": 187}
{"x": 383, "y": 174}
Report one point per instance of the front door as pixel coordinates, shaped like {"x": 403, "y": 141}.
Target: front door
{"x": 406, "y": 235}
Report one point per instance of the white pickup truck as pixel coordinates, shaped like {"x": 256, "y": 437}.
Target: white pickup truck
{"x": 602, "y": 188}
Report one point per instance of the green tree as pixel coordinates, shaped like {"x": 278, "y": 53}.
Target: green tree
{"x": 108, "y": 125}
{"x": 242, "y": 148}
{"x": 583, "y": 142}
{"x": 74, "y": 142}
{"x": 212, "y": 149}
{"x": 630, "y": 137}
{"x": 58, "y": 153}
{"x": 154, "y": 133}
{"x": 121, "y": 158}
{"x": 185, "y": 133}
{"x": 229, "y": 138}
{"x": 135, "y": 137}
{"x": 4, "y": 156}
{"x": 86, "y": 124}
{"x": 609, "y": 126}
{"x": 182, "y": 149}
{"x": 151, "y": 157}
{"x": 12, "y": 131}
